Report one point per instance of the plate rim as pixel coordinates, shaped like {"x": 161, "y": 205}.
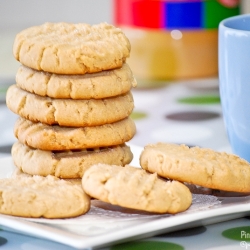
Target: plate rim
{"x": 141, "y": 230}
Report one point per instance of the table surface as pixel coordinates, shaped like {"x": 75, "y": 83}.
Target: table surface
{"x": 186, "y": 112}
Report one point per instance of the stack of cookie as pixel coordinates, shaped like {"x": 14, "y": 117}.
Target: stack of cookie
{"x": 73, "y": 97}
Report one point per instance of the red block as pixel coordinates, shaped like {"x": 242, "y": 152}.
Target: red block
{"x": 123, "y": 12}
{"x": 148, "y": 13}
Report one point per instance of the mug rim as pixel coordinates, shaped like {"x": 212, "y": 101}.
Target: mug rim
{"x": 224, "y": 22}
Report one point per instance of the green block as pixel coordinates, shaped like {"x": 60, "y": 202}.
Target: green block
{"x": 214, "y": 12}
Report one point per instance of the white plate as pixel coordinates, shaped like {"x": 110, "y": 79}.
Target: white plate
{"x": 105, "y": 224}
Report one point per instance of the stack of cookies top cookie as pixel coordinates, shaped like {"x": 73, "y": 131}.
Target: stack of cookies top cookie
{"x": 73, "y": 97}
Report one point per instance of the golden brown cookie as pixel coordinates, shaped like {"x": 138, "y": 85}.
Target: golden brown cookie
{"x": 68, "y": 112}
{"x": 17, "y": 173}
{"x": 135, "y": 188}
{"x": 199, "y": 166}
{"x": 66, "y": 48}
{"x": 67, "y": 164}
{"x": 46, "y": 137}
{"x": 99, "y": 85}
{"x": 39, "y": 196}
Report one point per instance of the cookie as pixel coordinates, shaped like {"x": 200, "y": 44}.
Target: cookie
{"x": 17, "y": 173}
{"x": 199, "y": 166}
{"x": 67, "y": 164}
{"x": 135, "y": 188}
{"x": 39, "y": 196}
{"x": 66, "y": 48}
{"x": 96, "y": 85}
{"x": 68, "y": 112}
{"x": 46, "y": 137}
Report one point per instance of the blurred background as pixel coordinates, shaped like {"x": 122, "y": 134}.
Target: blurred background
{"x": 16, "y": 15}
{"x": 172, "y": 40}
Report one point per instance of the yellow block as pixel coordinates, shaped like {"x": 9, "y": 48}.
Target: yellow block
{"x": 172, "y": 55}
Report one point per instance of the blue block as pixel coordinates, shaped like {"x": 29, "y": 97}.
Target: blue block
{"x": 183, "y": 15}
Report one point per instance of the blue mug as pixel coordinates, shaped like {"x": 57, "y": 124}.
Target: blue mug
{"x": 234, "y": 81}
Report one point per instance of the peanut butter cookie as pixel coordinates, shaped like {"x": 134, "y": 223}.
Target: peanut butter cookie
{"x": 68, "y": 112}
{"x": 199, "y": 166}
{"x": 66, "y": 48}
{"x": 135, "y": 188}
{"x": 67, "y": 164}
{"x": 39, "y": 196}
{"x": 46, "y": 137}
{"x": 99, "y": 85}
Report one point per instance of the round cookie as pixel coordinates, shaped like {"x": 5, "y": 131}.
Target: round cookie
{"x": 19, "y": 173}
{"x": 199, "y": 166}
{"x": 67, "y": 164}
{"x": 68, "y": 112}
{"x": 46, "y": 137}
{"x": 39, "y": 196}
{"x": 135, "y": 188}
{"x": 99, "y": 85}
{"x": 66, "y": 48}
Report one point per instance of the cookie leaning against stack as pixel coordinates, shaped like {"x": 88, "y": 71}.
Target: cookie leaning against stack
{"x": 135, "y": 188}
{"x": 200, "y": 166}
{"x": 38, "y": 196}
{"x": 73, "y": 96}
